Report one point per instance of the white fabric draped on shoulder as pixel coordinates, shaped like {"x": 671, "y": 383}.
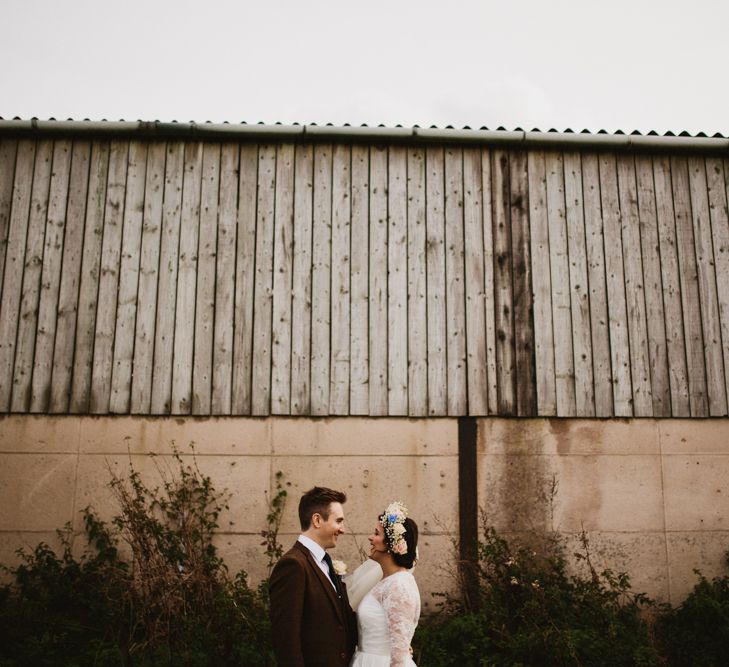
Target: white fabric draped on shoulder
{"x": 361, "y": 581}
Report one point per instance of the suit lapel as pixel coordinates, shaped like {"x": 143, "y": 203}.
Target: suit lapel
{"x": 323, "y": 580}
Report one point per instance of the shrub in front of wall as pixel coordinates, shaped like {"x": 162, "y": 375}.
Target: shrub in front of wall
{"x": 697, "y": 631}
{"x": 60, "y": 610}
{"x": 172, "y": 603}
{"x": 529, "y": 610}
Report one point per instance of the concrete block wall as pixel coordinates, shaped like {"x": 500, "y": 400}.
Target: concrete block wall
{"x": 652, "y": 495}
{"x": 53, "y": 467}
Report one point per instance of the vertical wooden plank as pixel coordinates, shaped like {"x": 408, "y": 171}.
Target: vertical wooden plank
{"x": 719, "y": 214}
{"x": 503, "y": 295}
{"x": 417, "y": 288}
{"x": 660, "y": 386}
{"x": 524, "y": 364}
{"x": 202, "y": 368}
{"x": 149, "y": 272}
{"x": 713, "y": 354}
{"x": 187, "y": 280}
{"x": 489, "y": 287}
{"x": 435, "y": 258}
{"x": 478, "y": 393}
{"x": 579, "y": 292}
{"x": 282, "y": 274}
{"x": 634, "y": 292}
{"x": 599, "y": 327}
{"x": 245, "y": 280}
{"x": 321, "y": 280}
{"x": 670, "y": 280}
{"x": 543, "y": 327}
{"x": 225, "y": 281}
{"x": 397, "y": 282}
{"x": 90, "y": 277}
{"x": 341, "y": 221}
{"x": 51, "y": 277}
{"x": 618, "y": 317}
{"x": 164, "y": 330}
{"x": 8, "y": 151}
{"x": 14, "y": 261}
{"x": 378, "y": 281}
{"x": 109, "y": 279}
{"x": 561, "y": 302}
{"x": 690, "y": 299}
{"x": 455, "y": 291}
{"x": 301, "y": 301}
{"x": 126, "y": 313}
{"x": 33, "y": 267}
{"x": 263, "y": 295}
{"x": 68, "y": 296}
{"x": 359, "y": 391}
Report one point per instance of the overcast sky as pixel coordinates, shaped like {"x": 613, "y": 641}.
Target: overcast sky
{"x": 627, "y": 65}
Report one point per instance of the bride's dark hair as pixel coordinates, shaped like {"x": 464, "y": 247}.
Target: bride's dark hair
{"x": 411, "y": 539}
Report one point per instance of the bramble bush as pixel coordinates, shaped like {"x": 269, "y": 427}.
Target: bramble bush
{"x": 697, "y": 632}
{"x": 167, "y": 598}
{"x": 529, "y": 610}
{"x": 171, "y": 602}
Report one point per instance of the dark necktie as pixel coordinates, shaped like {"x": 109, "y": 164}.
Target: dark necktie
{"x": 332, "y": 573}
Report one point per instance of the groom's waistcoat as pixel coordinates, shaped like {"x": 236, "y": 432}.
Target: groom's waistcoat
{"x": 310, "y": 625}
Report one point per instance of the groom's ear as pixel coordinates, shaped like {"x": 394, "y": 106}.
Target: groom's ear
{"x": 316, "y": 520}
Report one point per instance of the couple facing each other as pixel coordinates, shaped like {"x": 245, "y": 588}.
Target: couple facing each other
{"x": 312, "y": 621}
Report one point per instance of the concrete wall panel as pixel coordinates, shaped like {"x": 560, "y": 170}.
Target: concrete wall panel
{"x": 696, "y": 489}
{"x": 38, "y": 434}
{"x": 565, "y": 437}
{"x": 356, "y": 435}
{"x": 652, "y": 494}
{"x": 689, "y": 436}
{"x": 427, "y": 485}
{"x": 245, "y": 478}
{"x": 689, "y": 551}
{"x": 642, "y": 554}
{"x": 37, "y": 491}
{"x": 142, "y": 435}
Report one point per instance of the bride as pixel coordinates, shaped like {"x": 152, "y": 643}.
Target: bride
{"x": 388, "y": 613}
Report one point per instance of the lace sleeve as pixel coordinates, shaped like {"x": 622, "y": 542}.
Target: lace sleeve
{"x": 402, "y": 607}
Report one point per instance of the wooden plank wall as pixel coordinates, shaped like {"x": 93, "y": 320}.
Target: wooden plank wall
{"x": 351, "y": 279}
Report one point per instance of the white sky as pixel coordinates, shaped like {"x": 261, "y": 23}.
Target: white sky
{"x": 644, "y": 65}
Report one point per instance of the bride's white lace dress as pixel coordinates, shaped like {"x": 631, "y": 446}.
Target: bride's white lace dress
{"x": 386, "y": 619}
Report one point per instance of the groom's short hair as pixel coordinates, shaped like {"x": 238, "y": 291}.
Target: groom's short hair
{"x": 317, "y": 501}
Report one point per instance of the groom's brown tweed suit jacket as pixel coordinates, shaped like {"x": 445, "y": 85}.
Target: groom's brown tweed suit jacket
{"x": 310, "y": 625}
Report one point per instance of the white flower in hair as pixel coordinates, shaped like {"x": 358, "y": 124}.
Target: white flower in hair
{"x": 393, "y": 523}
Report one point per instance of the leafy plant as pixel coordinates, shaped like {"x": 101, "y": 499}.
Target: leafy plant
{"x": 276, "y": 505}
{"x": 697, "y": 631}
{"x": 531, "y": 611}
{"x": 172, "y": 603}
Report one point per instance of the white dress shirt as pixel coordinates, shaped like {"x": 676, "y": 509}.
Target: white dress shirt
{"x": 318, "y": 553}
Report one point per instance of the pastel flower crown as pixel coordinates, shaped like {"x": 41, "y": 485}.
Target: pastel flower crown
{"x": 393, "y": 523}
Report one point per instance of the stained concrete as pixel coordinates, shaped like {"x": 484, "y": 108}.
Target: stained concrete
{"x": 652, "y": 495}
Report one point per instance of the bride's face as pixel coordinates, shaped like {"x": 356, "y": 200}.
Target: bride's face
{"x": 378, "y": 546}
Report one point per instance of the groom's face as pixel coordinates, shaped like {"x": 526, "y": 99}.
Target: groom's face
{"x": 329, "y": 529}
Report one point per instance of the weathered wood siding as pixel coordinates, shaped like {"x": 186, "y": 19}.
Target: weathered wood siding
{"x": 315, "y": 278}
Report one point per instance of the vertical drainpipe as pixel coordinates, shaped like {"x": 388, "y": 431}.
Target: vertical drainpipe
{"x": 468, "y": 509}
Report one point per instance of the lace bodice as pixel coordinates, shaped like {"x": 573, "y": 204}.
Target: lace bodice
{"x": 387, "y": 618}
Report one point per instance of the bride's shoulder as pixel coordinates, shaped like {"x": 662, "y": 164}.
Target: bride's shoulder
{"x": 399, "y": 581}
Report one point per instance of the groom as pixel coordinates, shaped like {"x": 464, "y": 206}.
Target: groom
{"x": 311, "y": 620}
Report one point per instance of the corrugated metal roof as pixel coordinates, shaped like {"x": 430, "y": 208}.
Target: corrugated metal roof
{"x": 500, "y": 135}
